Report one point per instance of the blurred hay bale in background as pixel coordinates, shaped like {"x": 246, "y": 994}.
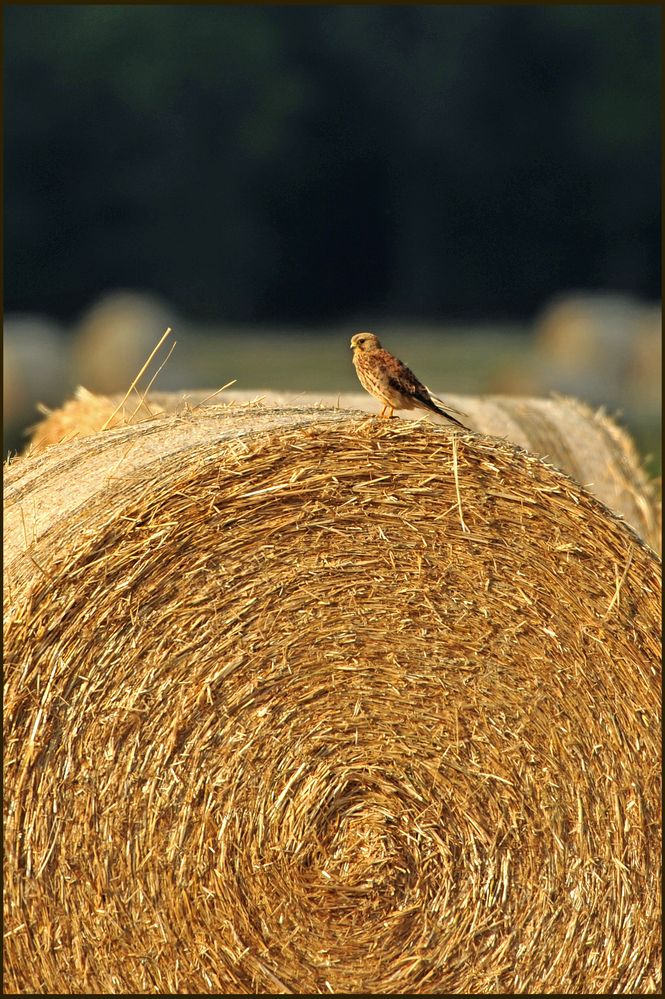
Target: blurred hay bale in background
{"x": 88, "y": 413}
{"x": 588, "y": 446}
{"x": 300, "y": 704}
{"x": 601, "y": 347}
{"x": 34, "y": 367}
{"x": 591, "y": 332}
{"x": 115, "y": 335}
{"x": 645, "y": 368}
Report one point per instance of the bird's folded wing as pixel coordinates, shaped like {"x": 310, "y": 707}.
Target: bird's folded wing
{"x": 409, "y": 385}
{"x": 403, "y": 379}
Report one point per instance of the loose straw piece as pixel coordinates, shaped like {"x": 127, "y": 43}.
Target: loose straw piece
{"x": 136, "y": 379}
{"x": 457, "y": 492}
{"x": 142, "y": 395}
{"x": 214, "y": 394}
{"x": 619, "y": 583}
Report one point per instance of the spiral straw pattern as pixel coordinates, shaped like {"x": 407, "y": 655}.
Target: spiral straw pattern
{"x": 320, "y": 705}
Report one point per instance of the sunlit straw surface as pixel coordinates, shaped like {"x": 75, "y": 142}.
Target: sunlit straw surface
{"x": 276, "y": 723}
{"x": 586, "y": 444}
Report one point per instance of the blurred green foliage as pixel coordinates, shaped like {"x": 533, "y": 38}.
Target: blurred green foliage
{"x": 301, "y": 163}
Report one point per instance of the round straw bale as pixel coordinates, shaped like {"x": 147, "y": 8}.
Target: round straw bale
{"x": 297, "y": 703}
{"x": 588, "y": 445}
{"x": 88, "y": 413}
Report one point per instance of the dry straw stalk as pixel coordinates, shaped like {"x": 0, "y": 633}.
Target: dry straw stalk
{"x": 276, "y": 723}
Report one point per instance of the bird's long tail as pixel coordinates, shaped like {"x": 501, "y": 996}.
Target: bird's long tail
{"x": 429, "y": 402}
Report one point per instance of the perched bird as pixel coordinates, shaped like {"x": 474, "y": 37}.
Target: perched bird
{"x": 391, "y": 382}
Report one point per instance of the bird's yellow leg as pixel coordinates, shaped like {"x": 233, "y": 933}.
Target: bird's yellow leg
{"x": 391, "y": 413}
{"x": 382, "y": 411}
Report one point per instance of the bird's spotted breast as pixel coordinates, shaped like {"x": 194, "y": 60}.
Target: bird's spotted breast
{"x": 372, "y": 375}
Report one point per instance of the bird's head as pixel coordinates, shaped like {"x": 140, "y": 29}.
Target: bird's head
{"x": 365, "y": 341}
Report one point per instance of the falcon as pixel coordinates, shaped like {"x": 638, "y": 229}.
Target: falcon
{"x": 390, "y": 381}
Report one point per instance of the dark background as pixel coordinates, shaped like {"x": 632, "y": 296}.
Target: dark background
{"x": 300, "y": 164}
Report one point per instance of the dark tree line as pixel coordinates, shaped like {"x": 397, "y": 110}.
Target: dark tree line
{"x": 303, "y": 163}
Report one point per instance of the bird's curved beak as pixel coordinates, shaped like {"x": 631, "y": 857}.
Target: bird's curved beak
{"x": 352, "y": 345}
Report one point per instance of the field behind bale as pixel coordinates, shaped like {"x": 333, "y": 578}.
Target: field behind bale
{"x": 299, "y": 702}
